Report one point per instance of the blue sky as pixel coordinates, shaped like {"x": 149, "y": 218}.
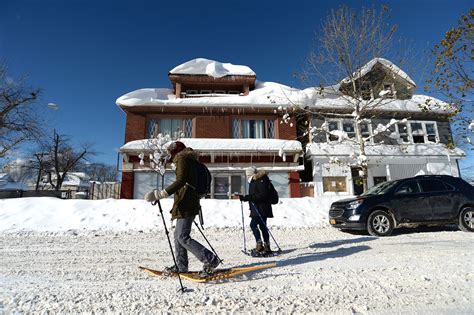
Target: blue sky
{"x": 84, "y": 54}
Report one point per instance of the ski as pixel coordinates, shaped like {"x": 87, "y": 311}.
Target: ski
{"x": 255, "y": 253}
{"x": 218, "y": 274}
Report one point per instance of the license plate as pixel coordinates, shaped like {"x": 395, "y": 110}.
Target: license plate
{"x": 332, "y": 221}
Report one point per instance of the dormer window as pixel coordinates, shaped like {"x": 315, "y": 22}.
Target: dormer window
{"x": 366, "y": 91}
{"x": 234, "y": 92}
{"x": 192, "y": 92}
{"x": 388, "y": 90}
{"x": 206, "y": 92}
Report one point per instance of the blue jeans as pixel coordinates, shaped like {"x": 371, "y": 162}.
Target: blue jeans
{"x": 257, "y": 225}
{"x": 184, "y": 243}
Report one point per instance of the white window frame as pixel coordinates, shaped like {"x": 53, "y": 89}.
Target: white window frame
{"x": 423, "y": 128}
{"x": 393, "y": 93}
{"x": 340, "y": 122}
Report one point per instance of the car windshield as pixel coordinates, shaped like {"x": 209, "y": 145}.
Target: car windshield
{"x": 380, "y": 189}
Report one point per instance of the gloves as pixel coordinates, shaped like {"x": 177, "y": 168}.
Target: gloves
{"x": 156, "y": 195}
{"x": 244, "y": 198}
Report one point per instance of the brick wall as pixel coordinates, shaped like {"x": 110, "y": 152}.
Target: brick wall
{"x": 135, "y": 127}
{"x": 211, "y": 127}
{"x": 126, "y": 190}
{"x": 286, "y": 131}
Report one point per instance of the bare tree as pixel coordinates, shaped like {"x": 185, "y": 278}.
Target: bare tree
{"x": 18, "y": 114}
{"x": 350, "y": 46}
{"x": 56, "y": 158}
{"x": 100, "y": 172}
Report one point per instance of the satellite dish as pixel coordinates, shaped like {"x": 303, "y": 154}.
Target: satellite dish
{"x": 53, "y": 106}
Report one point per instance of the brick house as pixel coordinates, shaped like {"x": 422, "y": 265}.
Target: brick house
{"x": 224, "y": 114}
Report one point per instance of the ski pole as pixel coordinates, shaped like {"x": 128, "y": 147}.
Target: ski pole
{"x": 261, "y": 219}
{"x": 243, "y": 226}
{"x": 183, "y": 289}
{"x": 212, "y": 248}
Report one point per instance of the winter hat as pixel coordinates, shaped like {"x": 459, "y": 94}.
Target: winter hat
{"x": 176, "y": 147}
{"x": 250, "y": 171}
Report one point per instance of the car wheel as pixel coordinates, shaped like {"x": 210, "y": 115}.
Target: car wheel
{"x": 466, "y": 219}
{"x": 380, "y": 223}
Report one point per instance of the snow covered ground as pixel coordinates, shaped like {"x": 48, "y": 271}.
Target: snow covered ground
{"x": 66, "y": 256}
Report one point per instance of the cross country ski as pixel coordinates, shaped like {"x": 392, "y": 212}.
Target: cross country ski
{"x": 218, "y": 274}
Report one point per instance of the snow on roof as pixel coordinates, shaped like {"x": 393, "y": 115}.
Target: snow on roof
{"x": 386, "y": 63}
{"x": 272, "y": 95}
{"x": 417, "y": 149}
{"x": 224, "y": 145}
{"x": 7, "y": 183}
{"x": 216, "y": 69}
{"x": 265, "y": 94}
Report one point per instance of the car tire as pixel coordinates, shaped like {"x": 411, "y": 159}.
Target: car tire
{"x": 466, "y": 219}
{"x": 380, "y": 223}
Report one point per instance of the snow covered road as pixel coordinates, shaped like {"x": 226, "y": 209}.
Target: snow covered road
{"x": 321, "y": 270}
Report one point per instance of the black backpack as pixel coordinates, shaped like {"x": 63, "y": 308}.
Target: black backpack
{"x": 272, "y": 193}
{"x": 203, "y": 180}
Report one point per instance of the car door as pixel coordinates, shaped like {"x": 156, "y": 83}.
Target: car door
{"x": 441, "y": 198}
{"x": 409, "y": 204}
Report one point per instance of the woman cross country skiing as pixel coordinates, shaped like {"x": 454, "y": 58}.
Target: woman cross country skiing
{"x": 185, "y": 208}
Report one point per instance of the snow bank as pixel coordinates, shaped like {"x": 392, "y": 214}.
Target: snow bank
{"x": 52, "y": 214}
{"x": 216, "y": 69}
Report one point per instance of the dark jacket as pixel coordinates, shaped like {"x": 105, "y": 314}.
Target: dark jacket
{"x": 186, "y": 200}
{"x": 259, "y": 195}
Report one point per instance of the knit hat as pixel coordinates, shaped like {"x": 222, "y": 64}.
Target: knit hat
{"x": 250, "y": 171}
{"x": 175, "y": 147}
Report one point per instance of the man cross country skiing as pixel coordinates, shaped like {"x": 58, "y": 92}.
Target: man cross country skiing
{"x": 185, "y": 208}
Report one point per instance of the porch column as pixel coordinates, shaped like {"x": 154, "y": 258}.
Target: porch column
{"x": 294, "y": 183}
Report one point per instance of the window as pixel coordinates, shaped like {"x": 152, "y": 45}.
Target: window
{"x": 334, "y": 184}
{"x": 348, "y": 127}
{"x": 175, "y": 128}
{"x": 379, "y": 179}
{"x": 388, "y": 90}
{"x": 431, "y": 185}
{"x": 423, "y": 132}
{"x": 403, "y": 132}
{"x": 234, "y": 92}
{"x": 332, "y": 126}
{"x": 206, "y": 91}
{"x": 410, "y": 187}
{"x": 364, "y": 129}
{"x": 366, "y": 91}
{"x": 253, "y": 129}
{"x": 219, "y": 91}
{"x": 191, "y": 92}
{"x": 431, "y": 132}
{"x": 417, "y": 132}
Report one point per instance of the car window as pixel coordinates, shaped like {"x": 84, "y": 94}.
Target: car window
{"x": 431, "y": 185}
{"x": 409, "y": 187}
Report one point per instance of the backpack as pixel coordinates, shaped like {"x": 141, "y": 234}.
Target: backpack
{"x": 272, "y": 193}
{"x": 203, "y": 180}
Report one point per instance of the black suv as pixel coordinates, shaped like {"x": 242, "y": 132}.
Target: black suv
{"x": 420, "y": 200}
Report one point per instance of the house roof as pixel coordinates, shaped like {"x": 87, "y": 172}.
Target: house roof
{"x": 384, "y": 150}
{"x": 385, "y": 63}
{"x": 223, "y": 145}
{"x": 212, "y": 68}
{"x": 272, "y": 95}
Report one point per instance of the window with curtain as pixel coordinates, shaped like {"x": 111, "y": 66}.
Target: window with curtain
{"x": 253, "y": 129}
{"x": 175, "y": 128}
